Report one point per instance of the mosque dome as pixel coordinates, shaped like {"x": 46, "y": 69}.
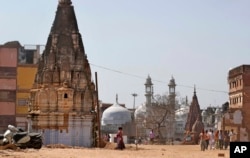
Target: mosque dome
{"x": 204, "y": 113}
{"x": 182, "y": 112}
{"x": 116, "y": 115}
{"x": 140, "y": 112}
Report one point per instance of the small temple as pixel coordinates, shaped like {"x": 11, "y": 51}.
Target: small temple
{"x": 194, "y": 123}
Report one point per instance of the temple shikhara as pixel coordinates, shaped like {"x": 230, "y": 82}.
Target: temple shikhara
{"x": 194, "y": 124}
{"x": 63, "y": 98}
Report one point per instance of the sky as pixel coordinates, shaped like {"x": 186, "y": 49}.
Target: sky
{"x": 194, "y": 41}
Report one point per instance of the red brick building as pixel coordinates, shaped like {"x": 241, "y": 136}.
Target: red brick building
{"x": 238, "y": 116}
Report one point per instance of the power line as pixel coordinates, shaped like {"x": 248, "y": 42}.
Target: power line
{"x": 133, "y": 75}
{"x": 140, "y": 77}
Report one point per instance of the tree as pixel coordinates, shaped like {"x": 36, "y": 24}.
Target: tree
{"x": 159, "y": 117}
{"x": 225, "y": 107}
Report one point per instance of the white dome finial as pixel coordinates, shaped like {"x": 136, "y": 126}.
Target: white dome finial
{"x": 116, "y": 98}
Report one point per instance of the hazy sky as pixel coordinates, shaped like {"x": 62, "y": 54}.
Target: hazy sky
{"x": 195, "y": 41}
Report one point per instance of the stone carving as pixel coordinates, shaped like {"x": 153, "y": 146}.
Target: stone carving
{"x": 56, "y": 76}
{"x": 75, "y": 38}
{"x": 47, "y": 77}
{"x": 54, "y": 40}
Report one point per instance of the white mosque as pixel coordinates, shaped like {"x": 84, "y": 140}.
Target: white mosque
{"x": 114, "y": 117}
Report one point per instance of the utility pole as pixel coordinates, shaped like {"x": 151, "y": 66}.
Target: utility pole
{"x": 136, "y": 130}
{"x": 134, "y": 95}
{"x": 98, "y": 113}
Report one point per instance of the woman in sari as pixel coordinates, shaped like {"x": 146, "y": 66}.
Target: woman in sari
{"x": 119, "y": 138}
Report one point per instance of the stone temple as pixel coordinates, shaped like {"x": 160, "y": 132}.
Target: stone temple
{"x": 194, "y": 124}
{"x": 64, "y": 98}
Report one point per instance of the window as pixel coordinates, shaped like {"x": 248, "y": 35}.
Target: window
{"x": 234, "y": 84}
{"x": 26, "y": 56}
{"x": 65, "y": 95}
{"x": 22, "y": 102}
{"x": 8, "y": 71}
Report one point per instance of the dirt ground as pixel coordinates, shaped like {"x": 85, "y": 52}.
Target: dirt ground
{"x": 131, "y": 151}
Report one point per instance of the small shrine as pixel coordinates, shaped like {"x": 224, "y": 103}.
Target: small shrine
{"x": 194, "y": 123}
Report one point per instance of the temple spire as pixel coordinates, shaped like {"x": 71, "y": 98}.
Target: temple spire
{"x": 194, "y": 90}
{"x": 194, "y": 112}
{"x": 64, "y": 73}
{"x": 65, "y": 2}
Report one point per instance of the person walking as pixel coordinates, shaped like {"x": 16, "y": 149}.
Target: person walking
{"x": 211, "y": 139}
{"x": 151, "y": 136}
{"x": 226, "y": 139}
{"x": 232, "y": 136}
{"x": 221, "y": 139}
{"x": 119, "y": 138}
{"x": 203, "y": 140}
{"x": 216, "y": 139}
{"x": 207, "y": 138}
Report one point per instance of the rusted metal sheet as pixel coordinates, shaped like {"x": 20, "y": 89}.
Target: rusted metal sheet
{"x": 8, "y": 84}
{"x": 8, "y": 57}
{"x": 7, "y": 108}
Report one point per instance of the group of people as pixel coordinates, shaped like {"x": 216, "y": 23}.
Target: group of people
{"x": 216, "y": 140}
{"x": 220, "y": 139}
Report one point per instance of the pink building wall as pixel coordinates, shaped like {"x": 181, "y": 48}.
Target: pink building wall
{"x": 7, "y": 108}
{"x": 8, "y": 64}
{"x": 8, "y": 84}
{"x": 8, "y": 57}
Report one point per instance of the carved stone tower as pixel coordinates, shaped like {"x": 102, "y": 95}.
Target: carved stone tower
{"x": 63, "y": 97}
{"x": 194, "y": 113}
{"x": 148, "y": 91}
